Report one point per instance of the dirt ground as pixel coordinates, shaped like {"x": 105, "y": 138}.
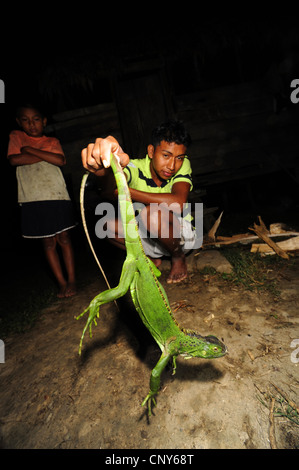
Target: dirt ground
{"x": 50, "y": 398}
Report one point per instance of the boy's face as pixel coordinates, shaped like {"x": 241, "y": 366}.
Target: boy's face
{"x": 31, "y": 121}
{"x": 166, "y": 160}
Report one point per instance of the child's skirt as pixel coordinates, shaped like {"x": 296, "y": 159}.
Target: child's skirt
{"x": 42, "y": 219}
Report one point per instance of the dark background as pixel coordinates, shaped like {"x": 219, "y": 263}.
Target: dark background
{"x": 143, "y": 67}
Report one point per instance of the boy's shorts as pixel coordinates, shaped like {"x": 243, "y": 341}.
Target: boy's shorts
{"x": 41, "y": 219}
{"x": 154, "y": 250}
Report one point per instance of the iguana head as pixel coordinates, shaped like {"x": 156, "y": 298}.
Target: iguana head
{"x": 207, "y": 347}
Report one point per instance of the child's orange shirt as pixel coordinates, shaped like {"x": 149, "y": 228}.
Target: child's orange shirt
{"x": 40, "y": 181}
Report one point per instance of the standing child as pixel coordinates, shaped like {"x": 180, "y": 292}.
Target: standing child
{"x": 46, "y": 208}
{"x": 161, "y": 182}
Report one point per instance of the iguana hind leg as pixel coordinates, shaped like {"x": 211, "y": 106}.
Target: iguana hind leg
{"x": 107, "y": 296}
{"x": 155, "y": 381}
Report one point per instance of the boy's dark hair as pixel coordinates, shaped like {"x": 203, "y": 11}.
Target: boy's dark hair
{"x": 171, "y": 131}
{"x": 29, "y": 106}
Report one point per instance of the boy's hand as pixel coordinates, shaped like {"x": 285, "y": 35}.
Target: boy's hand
{"x": 96, "y": 156}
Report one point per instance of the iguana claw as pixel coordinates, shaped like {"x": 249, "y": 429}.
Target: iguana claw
{"x": 149, "y": 399}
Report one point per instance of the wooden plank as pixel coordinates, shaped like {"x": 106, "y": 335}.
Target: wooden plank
{"x": 210, "y": 111}
{"x": 237, "y": 151}
{"x": 99, "y": 120}
{"x": 98, "y": 109}
{"x": 243, "y": 92}
{"x": 221, "y": 128}
{"x": 97, "y": 128}
{"x": 210, "y": 179}
{"x": 243, "y": 165}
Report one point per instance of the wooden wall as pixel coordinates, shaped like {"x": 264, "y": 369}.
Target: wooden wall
{"x": 76, "y": 129}
{"x": 235, "y": 130}
{"x": 236, "y": 133}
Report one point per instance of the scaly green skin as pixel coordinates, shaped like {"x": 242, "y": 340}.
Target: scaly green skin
{"x": 139, "y": 275}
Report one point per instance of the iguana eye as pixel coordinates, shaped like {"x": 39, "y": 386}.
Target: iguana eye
{"x": 215, "y": 348}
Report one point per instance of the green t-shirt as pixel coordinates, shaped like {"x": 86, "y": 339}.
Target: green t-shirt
{"x": 139, "y": 177}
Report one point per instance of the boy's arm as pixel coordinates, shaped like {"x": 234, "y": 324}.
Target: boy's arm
{"x": 30, "y": 155}
{"x": 22, "y": 159}
{"x": 57, "y": 159}
{"x": 179, "y": 196}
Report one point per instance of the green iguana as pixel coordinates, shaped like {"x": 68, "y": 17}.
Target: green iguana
{"x": 139, "y": 274}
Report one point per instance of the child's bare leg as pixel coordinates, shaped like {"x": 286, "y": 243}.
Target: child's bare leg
{"x": 49, "y": 244}
{"x": 116, "y": 238}
{"x": 165, "y": 225}
{"x": 65, "y": 243}
{"x": 178, "y": 270}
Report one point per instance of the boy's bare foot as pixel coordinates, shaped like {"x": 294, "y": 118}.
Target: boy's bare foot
{"x": 61, "y": 293}
{"x": 67, "y": 290}
{"x": 178, "y": 270}
{"x": 70, "y": 289}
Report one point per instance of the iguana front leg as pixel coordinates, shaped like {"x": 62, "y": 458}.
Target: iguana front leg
{"x": 155, "y": 381}
{"x": 127, "y": 274}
